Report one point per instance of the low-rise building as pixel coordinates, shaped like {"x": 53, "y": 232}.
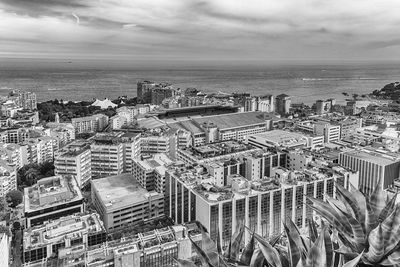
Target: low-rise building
{"x": 278, "y": 139}
{"x": 51, "y": 198}
{"x": 94, "y": 123}
{"x": 155, "y": 248}
{"x": 53, "y": 239}
{"x": 121, "y": 200}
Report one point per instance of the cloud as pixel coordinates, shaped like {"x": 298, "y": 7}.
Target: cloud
{"x": 200, "y": 28}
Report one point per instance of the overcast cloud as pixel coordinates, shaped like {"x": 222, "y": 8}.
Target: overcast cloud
{"x": 209, "y": 29}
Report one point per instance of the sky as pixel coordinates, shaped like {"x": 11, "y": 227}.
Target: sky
{"x": 201, "y": 29}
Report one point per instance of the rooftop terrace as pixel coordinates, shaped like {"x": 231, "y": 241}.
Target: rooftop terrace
{"x": 216, "y": 149}
{"x": 73, "y": 226}
{"x": 51, "y": 191}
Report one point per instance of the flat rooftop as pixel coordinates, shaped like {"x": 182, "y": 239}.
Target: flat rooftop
{"x": 51, "y": 191}
{"x": 378, "y": 156}
{"x": 282, "y": 138}
{"x": 74, "y": 149}
{"x": 233, "y": 120}
{"x": 216, "y": 149}
{"x": 120, "y": 191}
{"x": 155, "y": 161}
{"x": 73, "y": 226}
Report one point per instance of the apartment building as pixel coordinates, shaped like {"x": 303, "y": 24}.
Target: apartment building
{"x": 76, "y": 160}
{"x": 25, "y": 100}
{"x": 4, "y": 249}
{"x": 283, "y": 104}
{"x": 261, "y": 205}
{"x": 145, "y": 171}
{"x": 8, "y": 178}
{"x": 107, "y": 156}
{"x": 51, "y": 198}
{"x": 121, "y": 200}
{"x": 13, "y": 154}
{"x": 94, "y": 123}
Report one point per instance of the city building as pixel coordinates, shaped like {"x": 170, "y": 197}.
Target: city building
{"x": 107, "y": 156}
{"x": 26, "y": 100}
{"x": 55, "y": 238}
{"x": 4, "y": 249}
{"x": 76, "y": 160}
{"x": 374, "y": 165}
{"x": 283, "y": 103}
{"x": 278, "y": 139}
{"x": 145, "y": 171}
{"x": 348, "y": 124}
{"x": 261, "y": 205}
{"x": 51, "y": 198}
{"x": 330, "y": 132}
{"x": 324, "y": 106}
{"x": 121, "y": 200}
{"x": 159, "y": 141}
{"x": 13, "y": 154}
{"x": 266, "y": 103}
{"x": 235, "y": 126}
{"x": 155, "y": 248}
{"x": 8, "y": 178}
{"x": 89, "y": 124}
{"x": 213, "y": 152}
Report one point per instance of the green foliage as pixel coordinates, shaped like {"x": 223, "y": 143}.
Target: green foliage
{"x": 366, "y": 225}
{"x": 31, "y": 173}
{"x": 48, "y": 109}
{"x": 362, "y": 231}
{"x": 14, "y": 198}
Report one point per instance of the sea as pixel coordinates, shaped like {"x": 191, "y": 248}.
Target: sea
{"x": 306, "y": 83}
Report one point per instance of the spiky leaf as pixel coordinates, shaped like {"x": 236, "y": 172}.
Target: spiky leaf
{"x": 248, "y": 252}
{"x": 353, "y": 262}
{"x": 184, "y": 263}
{"x": 317, "y": 253}
{"x": 235, "y": 242}
{"x": 258, "y": 259}
{"x": 376, "y": 245}
{"x": 270, "y": 253}
{"x": 293, "y": 249}
{"x": 377, "y": 199}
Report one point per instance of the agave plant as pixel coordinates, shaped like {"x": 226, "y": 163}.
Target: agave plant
{"x": 301, "y": 251}
{"x": 367, "y": 227}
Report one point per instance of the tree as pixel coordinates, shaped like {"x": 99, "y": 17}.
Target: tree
{"x": 3, "y": 204}
{"x": 31, "y": 176}
{"x": 14, "y": 198}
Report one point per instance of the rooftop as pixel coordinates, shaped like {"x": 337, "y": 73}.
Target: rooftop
{"x": 74, "y": 149}
{"x": 282, "y": 138}
{"x": 120, "y": 191}
{"x": 216, "y": 149}
{"x": 379, "y": 156}
{"x": 73, "y": 226}
{"x": 51, "y": 191}
{"x": 233, "y": 120}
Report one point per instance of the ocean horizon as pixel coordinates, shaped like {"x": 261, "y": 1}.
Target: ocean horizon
{"x": 79, "y": 80}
